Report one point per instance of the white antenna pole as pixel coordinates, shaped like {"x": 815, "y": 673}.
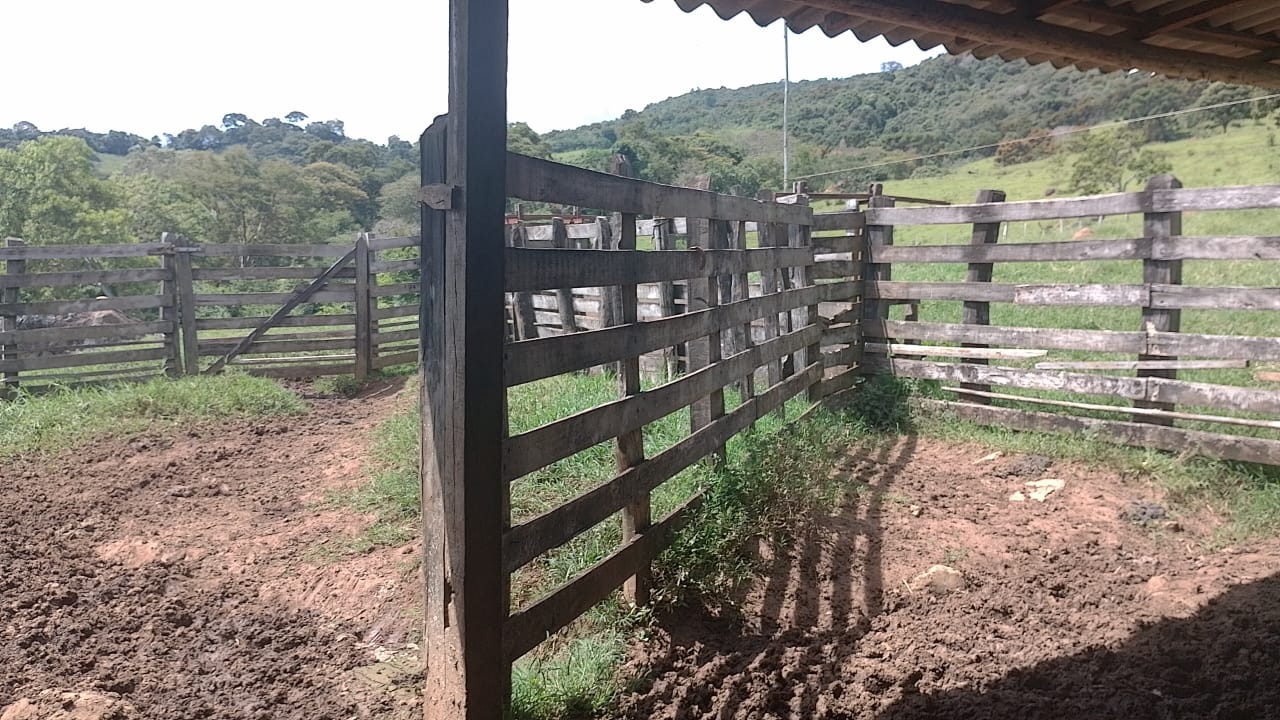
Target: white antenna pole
{"x": 786, "y": 92}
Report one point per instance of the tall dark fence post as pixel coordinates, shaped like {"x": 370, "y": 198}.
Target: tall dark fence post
{"x": 979, "y": 312}
{"x": 1157, "y": 227}
{"x": 523, "y": 310}
{"x": 878, "y": 236}
{"x": 364, "y": 303}
{"x": 9, "y": 320}
{"x": 564, "y": 296}
{"x": 169, "y": 312}
{"x": 182, "y": 275}
{"x": 664, "y": 239}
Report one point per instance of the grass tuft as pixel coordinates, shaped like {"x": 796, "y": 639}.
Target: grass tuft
{"x": 66, "y": 418}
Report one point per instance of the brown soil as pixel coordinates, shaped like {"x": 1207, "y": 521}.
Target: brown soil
{"x": 201, "y": 573}
{"x": 1069, "y": 609}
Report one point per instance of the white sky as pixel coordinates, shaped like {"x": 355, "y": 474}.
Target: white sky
{"x": 153, "y": 66}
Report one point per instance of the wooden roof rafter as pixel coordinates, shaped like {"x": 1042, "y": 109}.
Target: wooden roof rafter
{"x": 1228, "y": 40}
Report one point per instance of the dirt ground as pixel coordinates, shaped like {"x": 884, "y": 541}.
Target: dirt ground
{"x": 1089, "y": 604}
{"x": 202, "y": 574}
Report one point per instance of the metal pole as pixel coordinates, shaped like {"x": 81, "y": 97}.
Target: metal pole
{"x": 786, "y": 92}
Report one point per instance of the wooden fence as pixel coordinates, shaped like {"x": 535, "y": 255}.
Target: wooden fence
{"x": 1227, "y": 412}
{"x": 85, "y": 314}
{"x": 763, "y": 335}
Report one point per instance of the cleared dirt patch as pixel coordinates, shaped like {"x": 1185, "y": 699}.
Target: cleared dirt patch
{"x": 1088, "y": 604}
{"x": 200, "y": 574}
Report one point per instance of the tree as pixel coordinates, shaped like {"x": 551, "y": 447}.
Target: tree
{"x": 296, "y": 117}
{"x": 1109, "y": 161}
{"x": 522, "y": 139}
{"x": 1221, "y": 94}
{"x": 53, "y": 196}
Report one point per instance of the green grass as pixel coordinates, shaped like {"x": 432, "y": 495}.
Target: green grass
{"x": 770, "y": 479}
{"x": 63, "y": 419}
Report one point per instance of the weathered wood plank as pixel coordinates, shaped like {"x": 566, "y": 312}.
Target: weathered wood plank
{"x": 824, "y": 222}
{"x": 235, "y": 250}
{"x": 246, "y": 323}
{"x": 391, "y": 266}
{"x": 364, "y": 302}
{"x": 542, "y": 446}
{"x": 63, "y": 307}
{"x": 1223, "y": 198}
{"x": 1170, "y": 248}
{"x": 397, "y": 358}
{"x": 302, "y": 372}
{"x": 1117, "y": 204}
{"x": 384, "y": 313}
{"x": 955, "y": 352}
{"x": 378, "y": 244}
{"x": 46, "y": 337}
{"x": 78, "y": 252}
{"x": 524, "y": 630}
{"x": 1149, "y": 389}
{"x": 265, "y": 273}
{"x": 984, "y": 236}
{"x": 1177, "y": 440}
{"x": 268, "y": 345}
{"x": 1045, "y": 338}
{"x": 82, "y": 359}
{"x": 533, "y": 360}
{"x": 272, "y": 298}
{"x": 1159, "y": 413}
{"x": 561, "y": 524}
{"x": 547, "y": 181}
{"x": 1144, "y": 365}
{"x": 295, "y": 360}
{"x": 1164, "y": 296}
{"x": 82, "y": 277}
{"x": 531, "y": 270}
{"x": 1064, "y": 294}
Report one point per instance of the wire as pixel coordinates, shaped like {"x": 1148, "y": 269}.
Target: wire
{"x": 1031, "y": 138}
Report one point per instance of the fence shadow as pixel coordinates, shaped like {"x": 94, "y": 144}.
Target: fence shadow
{"x": 1222, "y": 662}
{"x": 819, "y": 599}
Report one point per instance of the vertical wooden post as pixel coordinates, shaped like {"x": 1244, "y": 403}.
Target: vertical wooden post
{"x": 803, "y": 237}
{"x": 564, "y": 296}
{"x": 9, "y": 321}
{"x": 663, "y": 239}
{"x": 765, "y": 237}
{"x": 1157, "y": 226}
{"x": 609, "y": 301}
{"x": 977, "y": 312}
{"x": 742, "y": 291}
{"x": 169, "y": 311}
{"x": 182, "y": 277}
{"x": 526, "y": 317}
{"x": 463, "y": 427}
{"x": 877, "y": 236}
{"x": 364, "y": 310}
{"x": 704, "y": 293}
{"x": 629, "y": 451}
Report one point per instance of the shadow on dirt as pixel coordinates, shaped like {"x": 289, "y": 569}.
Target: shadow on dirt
{"x": 1222, "y": 662}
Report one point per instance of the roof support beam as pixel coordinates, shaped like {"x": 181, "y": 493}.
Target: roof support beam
{"x": 1182, "y": 18}
{"x": 1033, "y": 37}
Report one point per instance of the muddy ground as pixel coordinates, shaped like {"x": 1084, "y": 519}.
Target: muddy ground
{"x": 1089, "y": 604}
{"x": 201, "y": 573}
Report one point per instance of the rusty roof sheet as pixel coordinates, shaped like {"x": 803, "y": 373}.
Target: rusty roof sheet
{"x": 1229, "y": 40}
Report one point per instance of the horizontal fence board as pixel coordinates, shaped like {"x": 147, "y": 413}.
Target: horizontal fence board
{"x": 248, "y": 323}
{"x": 294, "y": 360}
{"x": 1215, "y": 298}
{"x": 64, "y": 307}
{"x": 1150, "y": 389}
{"x": 265, "y": 273}
{"x": 383, "y": 338}
{"x": 849, "y": 334}
{"x": 537, "y": 448}
{"x": 531, "y": 360}
{"x": 234, "y": 250}
{"x": 62, "y": 335}
{"x": 1214, "y": 346}
{"x": 1177, "y": 440}
{"x": 823, "y": 222}
{"x": 1145, "y": 412}
{"x": 397, "y": 311}
{"x": 956, "y": 352}
{"x": 79, "y": 252}
{"x": 1055, "y": 209}
{"x": 222, "y": 347}
{"x": 394, "y": 289}
{"x": 836, "y": 269}
{"x": 273, "y": 298}
{"x": 78, "y": 379}
{"x": 1251, "y": 197}
{"x": 532, "y": 270}
{"x": 1073, "y": 251}
{"x": 547, "y": 181}
{"x": 392, "y": 243}
{"x": 1144, "y": 365}
{"x": 77, "y": 278}
{"x": 401, "y": 358}
{"x": 558, "y": 526}
{"x": 844, "y": 244}
{"x": 390, "y": 266}
{"x": 1046, "y": 338}
{"x": 1064, "y": 294}
{"x": 840, "y": 383}
{"x": 1216, "y": 248}
{"x": 524, "y": 630}
{"x": 302, "y": 371}
{"x": 82, "y": 359}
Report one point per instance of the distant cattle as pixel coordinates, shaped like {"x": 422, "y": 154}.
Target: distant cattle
{"x": 1083, "y": 234}
{"x": 91, "y": 318}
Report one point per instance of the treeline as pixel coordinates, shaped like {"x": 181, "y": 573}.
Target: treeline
{"x": 943, "y": 104}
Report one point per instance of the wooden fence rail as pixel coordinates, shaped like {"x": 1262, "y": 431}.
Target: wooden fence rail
{"x": 102, "y": 313}
{"x": 991, "y": 356}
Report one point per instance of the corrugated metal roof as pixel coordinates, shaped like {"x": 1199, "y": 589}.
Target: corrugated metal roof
{"x": 1229, "y": 40}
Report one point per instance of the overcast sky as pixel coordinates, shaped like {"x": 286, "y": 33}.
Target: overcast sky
{"x": 152, "y": 66}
